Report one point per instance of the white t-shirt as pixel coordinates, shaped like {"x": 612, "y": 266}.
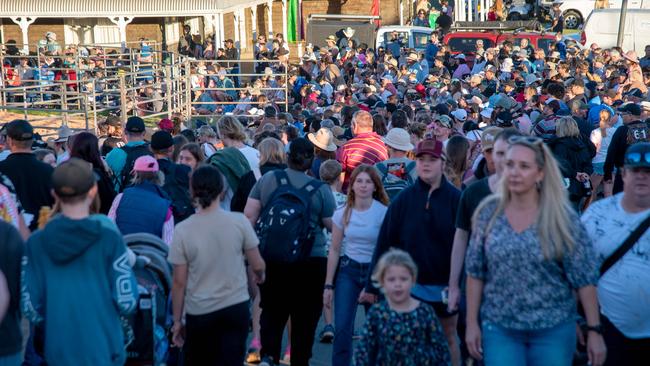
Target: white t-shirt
{"x": 253, "y": 157}
{"x": 602, "y": 143}
{"x": 360, "y": 234}
{"x": 624, "y": 290}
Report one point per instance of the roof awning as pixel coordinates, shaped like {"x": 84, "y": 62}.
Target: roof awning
{"x": 109, "y": 8}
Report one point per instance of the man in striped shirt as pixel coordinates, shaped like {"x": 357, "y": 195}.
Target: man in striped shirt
{"x": 365, "y": 148}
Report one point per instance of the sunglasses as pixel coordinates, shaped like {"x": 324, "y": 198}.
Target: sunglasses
{"x": 634, "y": 158}
{"x": 526, "y": 140}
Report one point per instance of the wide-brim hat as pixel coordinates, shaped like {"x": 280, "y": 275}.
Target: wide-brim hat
{"x": 399, "y": 139}
{"x": 631, "y": 56}
{"x": 64, "y": 133}
{"x": 324, "y": 139}
{"x": 349, "y": 32}
{"x": 330, "y": 38}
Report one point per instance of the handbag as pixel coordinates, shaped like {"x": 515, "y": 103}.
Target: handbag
{"x": 625, "y": 247}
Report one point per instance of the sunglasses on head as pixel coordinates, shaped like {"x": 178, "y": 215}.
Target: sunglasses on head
{"x": 634, "y": 158}
{"x": 526, "y": 140}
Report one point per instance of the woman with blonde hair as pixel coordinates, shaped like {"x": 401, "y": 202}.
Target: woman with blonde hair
{"x": 272, "y": 155}
{"x": 354, "y": 236}
{"x": 233, "y": 134}
{"x": 574, "y": 158}
{"x": 527, "y": 254}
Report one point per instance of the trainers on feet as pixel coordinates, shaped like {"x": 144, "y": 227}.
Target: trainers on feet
{"x": 253, "y": 356}
{"x": 267, "y": 361}
{"x": 327, "y": 334}
{"x": 287, "y": 355}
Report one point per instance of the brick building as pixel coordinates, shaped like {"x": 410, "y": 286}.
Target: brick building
{"x": 116, "y": 21}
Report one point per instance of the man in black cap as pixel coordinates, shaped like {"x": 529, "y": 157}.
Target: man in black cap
{"x": 177, "y": 176}
{"x": 623, "y": 290}
{"x": 121, "y": 160}
{"x": 232, "y": 53}
{"x": 633, "y": 130}
{"x": 31, "y": 177}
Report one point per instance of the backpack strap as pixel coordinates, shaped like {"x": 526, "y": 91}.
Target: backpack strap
{"x": 625, "y": 247}
{"x": 311, "y": 187}
{"x": 281, "y": 177}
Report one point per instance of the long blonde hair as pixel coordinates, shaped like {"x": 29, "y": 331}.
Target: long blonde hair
{"x": 604, "y": 123}
{"x": 554, "y": 214}
{"x": 379, "y": 194}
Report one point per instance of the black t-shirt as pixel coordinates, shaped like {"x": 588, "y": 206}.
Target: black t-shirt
{"x": 32, "y": 180}
{"x": 11, "y": 252}
{"x": 469, "y": 201}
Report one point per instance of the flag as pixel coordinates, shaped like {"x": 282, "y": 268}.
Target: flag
{"x": 292, "y": 21}
{"x": 374, "y": 11}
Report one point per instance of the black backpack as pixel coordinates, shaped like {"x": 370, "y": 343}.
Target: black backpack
{"x": 132, "y": 154}
{"x": 283, "y": 228}
{"x": 178, "y": 193}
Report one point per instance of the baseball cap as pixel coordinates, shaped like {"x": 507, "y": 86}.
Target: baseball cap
{"x": 19, "y": 130}
{"x": 73, "y": 178}
{"x": 161, "y": 140}
{"x": 631, "y": 108}
{"x": 135, "y": 124}
{"x": 488, "y": 137}
{"x": 444, "y": 120}
{"x": 638, "y": 155}
{"x": 166, "y": 124}
{"x": 431, "y": 147}
{"x": 145, "y": 163}
{"x": 460, "y": 114}
{"x": 504, "y": 118}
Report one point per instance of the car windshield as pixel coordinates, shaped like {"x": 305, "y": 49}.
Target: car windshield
{"x": 403, "y": 38}
{"x": 464, "y": 45}
{"x": 420, "y": 40}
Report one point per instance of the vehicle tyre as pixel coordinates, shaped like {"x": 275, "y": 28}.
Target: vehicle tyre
{"x": 572, "y": 19}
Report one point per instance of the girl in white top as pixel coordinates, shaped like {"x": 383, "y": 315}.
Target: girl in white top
{"x": 602, "y": 137}
{"x": 356, "y": 228}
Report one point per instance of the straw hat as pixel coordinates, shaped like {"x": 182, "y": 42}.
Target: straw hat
{"x": 323, "y": 139}
{"x": 398, "y": 139}
{"x": 330, "y": 38}
{"x": 631, "y": 56}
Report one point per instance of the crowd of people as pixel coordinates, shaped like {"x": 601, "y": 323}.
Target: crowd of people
{"x": 494, "y": 211}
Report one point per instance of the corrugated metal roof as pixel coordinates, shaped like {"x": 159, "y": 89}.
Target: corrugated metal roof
{"x": 105, "y": 8}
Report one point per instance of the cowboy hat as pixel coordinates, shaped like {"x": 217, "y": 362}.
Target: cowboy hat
{"x": 330, "y": 38}
{"x": 323, "y": 138}
{"x": 349, "y": 32}
{"x": 631, "y": 56}
{"x": 64, "y": 132}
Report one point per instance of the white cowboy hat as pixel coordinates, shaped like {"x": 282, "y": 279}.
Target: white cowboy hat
{"x": 349, "y": 32}
{"x": 323, "y": 139}
{"x": 398, "y": 139}
{"x": 64, "y": 133}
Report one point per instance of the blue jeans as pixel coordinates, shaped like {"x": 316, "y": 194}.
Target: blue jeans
{"x": 351, "y": 279}
{"x": 11, "y": 360}
{"x": 544, "y": 347}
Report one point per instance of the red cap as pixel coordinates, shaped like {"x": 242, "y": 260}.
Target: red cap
{"x": 166, "y": 124}
{"x": 431, "y": 147}
{"x": 421, "y": 89}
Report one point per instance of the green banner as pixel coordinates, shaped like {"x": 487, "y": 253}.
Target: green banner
{"x": 292, "y": 21}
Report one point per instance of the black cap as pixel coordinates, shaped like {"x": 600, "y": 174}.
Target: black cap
{"x": 504, "y": 119}
{"x": 73, "y": 178}
{"x": 135, "y": 124}
{"x": 638, "y": 155}
{"x": 631, "y": 108}
{"x": 20, "y": 130}
{"x": 161, "y": 140}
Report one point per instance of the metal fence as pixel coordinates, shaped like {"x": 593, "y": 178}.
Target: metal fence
{"x": 151, "y": 84}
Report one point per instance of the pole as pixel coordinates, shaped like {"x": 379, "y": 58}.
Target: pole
{"x": 621, "y": 24}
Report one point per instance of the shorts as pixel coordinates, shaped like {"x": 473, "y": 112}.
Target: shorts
{"x": 599, "y": 168}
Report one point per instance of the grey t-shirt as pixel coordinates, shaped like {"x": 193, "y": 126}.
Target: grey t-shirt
{"x": 322, "y": 203}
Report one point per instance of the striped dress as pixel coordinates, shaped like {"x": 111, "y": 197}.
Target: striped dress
{"x": 365, "y": 148}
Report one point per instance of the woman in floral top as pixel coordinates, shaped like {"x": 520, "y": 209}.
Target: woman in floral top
{"x": 401, "y": 330}
{"x": 527, "y": 254}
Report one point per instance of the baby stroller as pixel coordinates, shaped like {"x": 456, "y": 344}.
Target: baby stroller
{"x": 151, "y": 320}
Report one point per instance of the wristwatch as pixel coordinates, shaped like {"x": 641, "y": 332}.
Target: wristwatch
{"x": 594, "y": 328}
{"x": 329, "y": 287}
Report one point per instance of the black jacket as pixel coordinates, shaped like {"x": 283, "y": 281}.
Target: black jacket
{"x": 11, "y": 252}
{"x": 573, "y": 156}
{"x": 32, "y": 180}
{"x": 423, "y": 225}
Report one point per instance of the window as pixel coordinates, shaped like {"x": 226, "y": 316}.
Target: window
{"x": 420, "y": 40}
{"x": 465, "y": 45}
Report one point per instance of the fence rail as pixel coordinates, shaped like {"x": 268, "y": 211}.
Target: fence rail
{"x": 154, "y": 85}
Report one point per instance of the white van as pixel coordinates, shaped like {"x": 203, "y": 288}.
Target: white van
{"x": 410, "y": 37}
{"x": 602, "y": 28}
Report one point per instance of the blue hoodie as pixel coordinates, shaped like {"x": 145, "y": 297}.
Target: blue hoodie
{"x": 76, "y": 283}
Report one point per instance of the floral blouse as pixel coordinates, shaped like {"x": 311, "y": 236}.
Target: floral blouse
{"x": 522, "y": 290}
{"x": 391, "y": 338}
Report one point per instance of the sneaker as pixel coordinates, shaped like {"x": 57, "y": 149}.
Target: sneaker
{"x": 253, "y": 356}
{"x": 267, "y": 361}
{"x": 327, "y": 334}
{"x": 287, "y": 355}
